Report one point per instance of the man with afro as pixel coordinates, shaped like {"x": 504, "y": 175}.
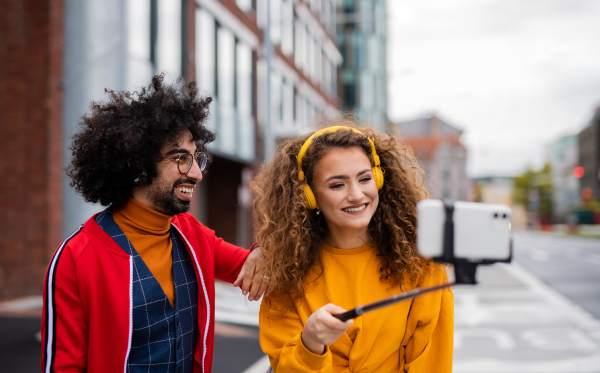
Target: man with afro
{"x": 132, "y": 289}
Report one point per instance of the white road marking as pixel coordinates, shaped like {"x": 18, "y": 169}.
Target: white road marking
{"x": 503, "y": 339}
{"x": 558, "y": 339}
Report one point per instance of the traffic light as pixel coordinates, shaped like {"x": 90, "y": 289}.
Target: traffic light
{"x": 578, "y": 172}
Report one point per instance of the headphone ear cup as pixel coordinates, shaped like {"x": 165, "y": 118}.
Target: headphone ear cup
{"x": 378, "y": 176}
{"x": 309, "y": 198}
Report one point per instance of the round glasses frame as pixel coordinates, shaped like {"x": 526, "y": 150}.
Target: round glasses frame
{"x": 186, "y": 160}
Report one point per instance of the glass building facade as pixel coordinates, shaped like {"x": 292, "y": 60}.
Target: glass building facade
{"x": 362, "y": 36}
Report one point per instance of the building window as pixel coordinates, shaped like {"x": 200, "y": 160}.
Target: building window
{"x": 243, "y": 101}
{"x": 244, "y": 79}
{"x": 367, "y": 91}
{"x": 205, "y": 51}
{"x": 276, "y": 100}
{"x": 334, "y": 77}
{"x": 326, "y": 81}
{"x": 275, "y": 20}
{"x": 309, "y": 54}
{"x": 225, "y": 67}
{"x": 350, "y": 90}
{"x": 287, "y": 32}
{"x": 317, "y": 63}
{"x": 288, "y": 104}
{"x": 359, "y": 50}
{"x": 139, "y": 66}
{"x": 305, "y": 110}
{"x": 169, "y": 37}
{"x": 295, "y": 103}
{"x": 300, "y": 107}
{"x": 225, "y": 95}
{"x": 245, "y": 5}
{"x": 315, "y": 5}
{"x": 299, "y": 48}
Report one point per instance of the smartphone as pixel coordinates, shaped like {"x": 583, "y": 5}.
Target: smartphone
{"x": 481, "y": 231}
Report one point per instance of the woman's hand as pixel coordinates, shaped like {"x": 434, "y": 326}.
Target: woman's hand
{"x": 322, "y": 329}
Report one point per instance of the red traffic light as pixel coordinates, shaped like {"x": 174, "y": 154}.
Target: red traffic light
{"x": 578, "y": 172}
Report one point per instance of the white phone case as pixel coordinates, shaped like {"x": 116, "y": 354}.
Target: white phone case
{"x": 481, "y": 230}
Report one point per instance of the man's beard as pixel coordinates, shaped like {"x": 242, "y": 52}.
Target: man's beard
{"x": 166, "y": 202}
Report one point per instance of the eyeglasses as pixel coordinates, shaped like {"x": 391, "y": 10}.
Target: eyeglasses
{"x": 186, "y": 160}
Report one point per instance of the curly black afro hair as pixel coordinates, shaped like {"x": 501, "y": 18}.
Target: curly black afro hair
{"x": 122, "y": 138}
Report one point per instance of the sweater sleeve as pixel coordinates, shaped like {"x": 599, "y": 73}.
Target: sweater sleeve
{"x": 64, "y": 326}
{"x": 428, "y": 343}
{"x": 280, "y": 340}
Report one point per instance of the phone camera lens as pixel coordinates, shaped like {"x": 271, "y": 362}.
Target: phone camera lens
{"x": 495, "y": 215}
{"x": 504, "y": 216}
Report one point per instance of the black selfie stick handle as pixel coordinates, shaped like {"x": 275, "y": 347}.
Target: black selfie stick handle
{"x": 353, "y": 313}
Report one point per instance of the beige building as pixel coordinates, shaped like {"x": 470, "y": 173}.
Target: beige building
{"x": 497, "y": 189}
{"x": 442, "y": 156}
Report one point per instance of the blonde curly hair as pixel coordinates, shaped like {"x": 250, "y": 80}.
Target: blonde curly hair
{"x": 290, "y": 235}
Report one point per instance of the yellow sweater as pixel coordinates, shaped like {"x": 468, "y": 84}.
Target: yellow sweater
{"x": 411, "y": 336}
{"x": 148, "y": 232}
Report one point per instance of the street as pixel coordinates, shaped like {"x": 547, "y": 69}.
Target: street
{"x": 570, "y": 266}
{"x": 538, "y": 314}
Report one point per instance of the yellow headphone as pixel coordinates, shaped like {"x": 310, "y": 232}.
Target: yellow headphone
{"x": 310, "y": 200}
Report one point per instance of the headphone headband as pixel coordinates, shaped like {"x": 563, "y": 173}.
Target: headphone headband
{"x": 331, "y": 129}
{"x": 377, "y": 171}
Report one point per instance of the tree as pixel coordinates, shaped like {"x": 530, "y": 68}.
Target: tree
{"x": 533, "y": 190}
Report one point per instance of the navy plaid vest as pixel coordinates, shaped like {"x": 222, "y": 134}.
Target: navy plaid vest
{"x": 163, "y": 338}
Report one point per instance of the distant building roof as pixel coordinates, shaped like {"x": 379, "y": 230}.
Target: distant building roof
{"x": 425, "y": 135}
{"x": 424, "y": 148}
{"x": 426, "y": 127}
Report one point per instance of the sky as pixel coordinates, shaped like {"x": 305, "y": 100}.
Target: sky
{"x": 514, "y": 75}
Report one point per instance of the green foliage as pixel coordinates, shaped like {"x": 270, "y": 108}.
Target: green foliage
{"x": 533, "y": 190}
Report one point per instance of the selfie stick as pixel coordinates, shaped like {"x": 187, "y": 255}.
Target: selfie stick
{"x": 464, "y": 271}
{"x": 388, "y": 301}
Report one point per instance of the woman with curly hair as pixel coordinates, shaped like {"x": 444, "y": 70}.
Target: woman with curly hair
{"x": 336, "y": 220}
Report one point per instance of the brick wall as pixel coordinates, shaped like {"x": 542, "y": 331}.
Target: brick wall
{"x": 31, "y": 71}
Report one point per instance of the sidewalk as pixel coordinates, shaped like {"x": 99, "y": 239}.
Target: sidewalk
{"x": 509, "y": 322}
{"x": 30, "y": 306}
{"x": 513, "y": 322}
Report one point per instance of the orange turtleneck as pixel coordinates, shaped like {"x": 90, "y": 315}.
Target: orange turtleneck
{"x": 148, "y": 232}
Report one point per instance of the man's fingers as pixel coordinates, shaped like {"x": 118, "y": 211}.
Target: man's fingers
{"x": 244, "y": 279}
{"x": 260, "y": 286}
{"x": 246, "y": 282}
{"x": 238, "y": 280}
{"x": 251, "y": 279}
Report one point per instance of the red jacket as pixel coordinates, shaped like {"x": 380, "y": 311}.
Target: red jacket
{"x": 87, "y": 318}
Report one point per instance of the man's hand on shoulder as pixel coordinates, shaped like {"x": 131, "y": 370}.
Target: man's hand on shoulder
{"x": 252, "y": 279}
